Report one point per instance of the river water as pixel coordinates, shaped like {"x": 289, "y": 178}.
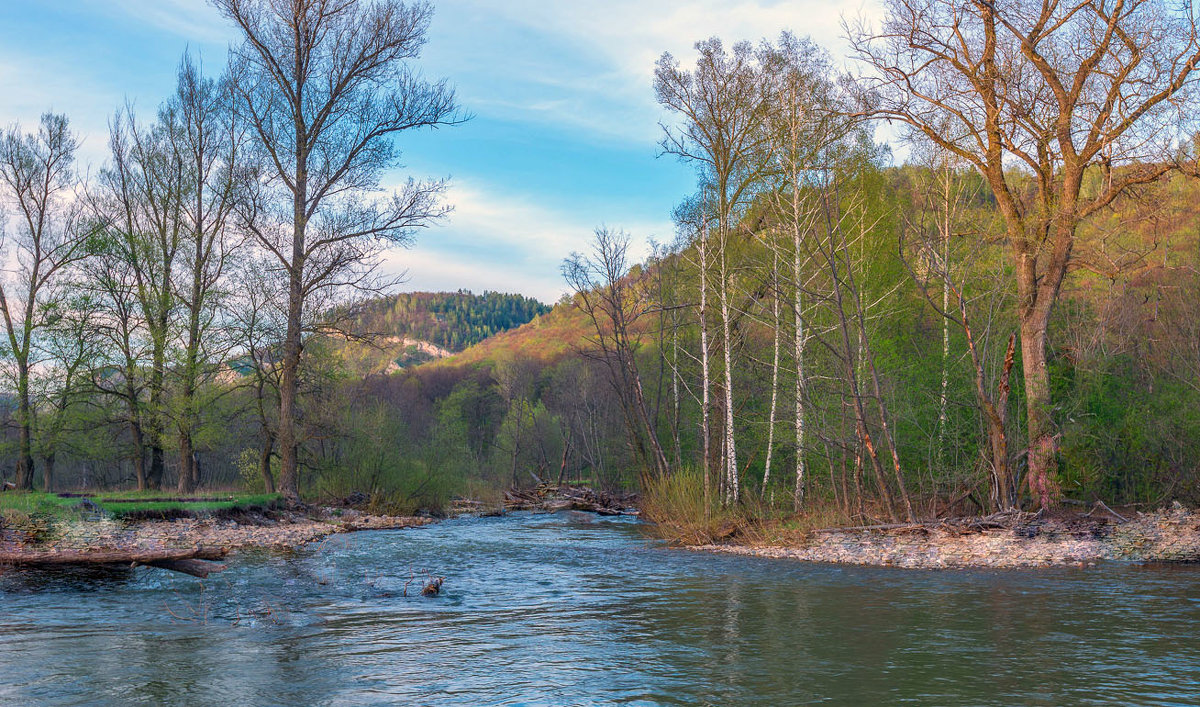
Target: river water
{"x": 574, "y": 609}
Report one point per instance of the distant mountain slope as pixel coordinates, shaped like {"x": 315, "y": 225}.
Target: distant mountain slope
{"x": 450, "y": 320}
{"x": 411, "y": 328}
{"x": 550, "y": 336}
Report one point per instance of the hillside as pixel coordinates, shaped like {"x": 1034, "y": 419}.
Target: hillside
{"x": 411, "y": 328}
{"x": 550, "y": 336}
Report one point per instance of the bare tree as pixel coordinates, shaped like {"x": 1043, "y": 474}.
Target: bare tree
{"x": 258, "y": 323}
{"x": 1039, "y": 97}
{"x": 611, "y": 298}
{"x": 323, "y": 88}
{"x": 119, "y": 374}
{"x": 139, "y": 203}
{"x": 44, "y": 237}
{"x": 206, "y": 140}
{"x": 71, "y": 348}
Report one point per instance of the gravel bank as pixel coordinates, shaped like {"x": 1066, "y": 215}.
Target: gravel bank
{"x": 1165, "y": 536}
{"x": 275, "y": 530}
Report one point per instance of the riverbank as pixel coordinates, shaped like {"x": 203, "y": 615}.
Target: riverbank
{"x": 1019, "y": 540}
{"x": 98, "y": 537}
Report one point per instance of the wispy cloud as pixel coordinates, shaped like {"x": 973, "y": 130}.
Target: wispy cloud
{"x": 194, "y": 20}
{"x": 504, "y": 241}
{"x": 592, "y": 64}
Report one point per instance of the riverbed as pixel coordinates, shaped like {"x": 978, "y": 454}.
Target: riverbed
{"x": 573, "y": 608}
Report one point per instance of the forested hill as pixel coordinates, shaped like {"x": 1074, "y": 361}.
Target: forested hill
{"x": 411, "y": 328}
{"x": 449, "y": 320}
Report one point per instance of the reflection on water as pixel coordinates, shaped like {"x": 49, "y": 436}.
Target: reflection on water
{"x": 573, "y": 609}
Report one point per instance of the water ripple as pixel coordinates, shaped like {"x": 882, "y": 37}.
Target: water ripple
{"x": 547, "y": 610}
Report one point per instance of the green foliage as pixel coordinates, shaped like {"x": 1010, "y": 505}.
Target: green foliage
{"x": 375, "y": 455}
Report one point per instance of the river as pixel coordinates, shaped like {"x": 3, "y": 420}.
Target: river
{"x": 576, "y": 609}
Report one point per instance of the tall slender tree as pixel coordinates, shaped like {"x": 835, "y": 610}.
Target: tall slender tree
{"x": 44, "y": 237}
{"x": 722, "y": 108}
{"x": 323, "y": 88}
{"x": 203, "y": 134}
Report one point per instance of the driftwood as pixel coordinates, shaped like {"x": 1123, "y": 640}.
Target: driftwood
{"x": 549, "y": 497}
{"x": 193, "y": 561}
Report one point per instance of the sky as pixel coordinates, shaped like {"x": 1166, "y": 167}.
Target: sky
{"x": 564, "y": 132}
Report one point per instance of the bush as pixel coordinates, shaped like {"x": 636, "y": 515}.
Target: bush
{"x": 676, "y": 505}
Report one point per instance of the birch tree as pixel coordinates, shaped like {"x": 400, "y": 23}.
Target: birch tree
{"x": 722, "y": 108}
{"x": 804, "y": 124}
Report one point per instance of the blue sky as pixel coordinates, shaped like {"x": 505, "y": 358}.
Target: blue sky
{"x": 565, "y": 129}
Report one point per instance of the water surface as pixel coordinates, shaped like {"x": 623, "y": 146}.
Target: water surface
{"x": 575, "y": 609}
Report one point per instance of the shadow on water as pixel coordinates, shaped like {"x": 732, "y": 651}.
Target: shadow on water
{"x": 577, "y": 609}
{"x": 70, "y": 579}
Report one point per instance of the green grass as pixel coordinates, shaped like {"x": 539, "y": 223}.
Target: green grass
{"x": 30, "y": 502}
{"x": 120, "y": 503}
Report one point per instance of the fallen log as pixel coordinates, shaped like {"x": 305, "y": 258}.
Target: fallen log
{"x": 193, "y": 561}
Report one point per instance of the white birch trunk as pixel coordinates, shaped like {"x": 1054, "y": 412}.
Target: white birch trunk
{"x": 731, "y": 467}
{"x": 774, "y": 375}
{"x": 706, "y": 382}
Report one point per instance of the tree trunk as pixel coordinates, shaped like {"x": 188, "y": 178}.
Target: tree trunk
{"x": 774, "y": 377}
{"x": 289, "y": 378}
{"x": 187, "y": 464}
{"x": 732, "y": 483}
{"x": 48, "y": 473}
{"x": 25, "y": 431}
{"x": 264, "y": 461}
{"x": 157, "y": 464}
{"x": 798, "y": 491}
{"x": 289, "y": 481}
{"x": 154, "y": 428}
{"x": 139, "y": 454}
{"x": 1043, "y": 443}
{"x": 705, "y": 377}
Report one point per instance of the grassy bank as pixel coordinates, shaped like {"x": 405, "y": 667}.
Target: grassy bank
{"x": 35, "y": 513}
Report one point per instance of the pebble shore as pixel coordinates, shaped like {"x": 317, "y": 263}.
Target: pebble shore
{"x": 278, "y": 530}
{"x": 1166, "y": 536}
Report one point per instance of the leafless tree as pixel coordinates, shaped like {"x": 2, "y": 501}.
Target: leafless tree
{"x": 1040, "y": 97}
{"x": 203, "y": 134}
{"x": 138, "y": 201}
{"x": 71, "y": 348}
{"x": 324, "y": 87}
{"x": 44, "y": 238}
{"x": 614, "y": 302}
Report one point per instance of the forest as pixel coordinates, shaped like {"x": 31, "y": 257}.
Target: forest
{"x": 990, "y": 307}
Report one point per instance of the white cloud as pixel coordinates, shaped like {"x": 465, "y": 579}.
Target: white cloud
{"x": 593, "y": 65}
{"x": 194, "y": 20}
{"x": 501, "y": 241}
